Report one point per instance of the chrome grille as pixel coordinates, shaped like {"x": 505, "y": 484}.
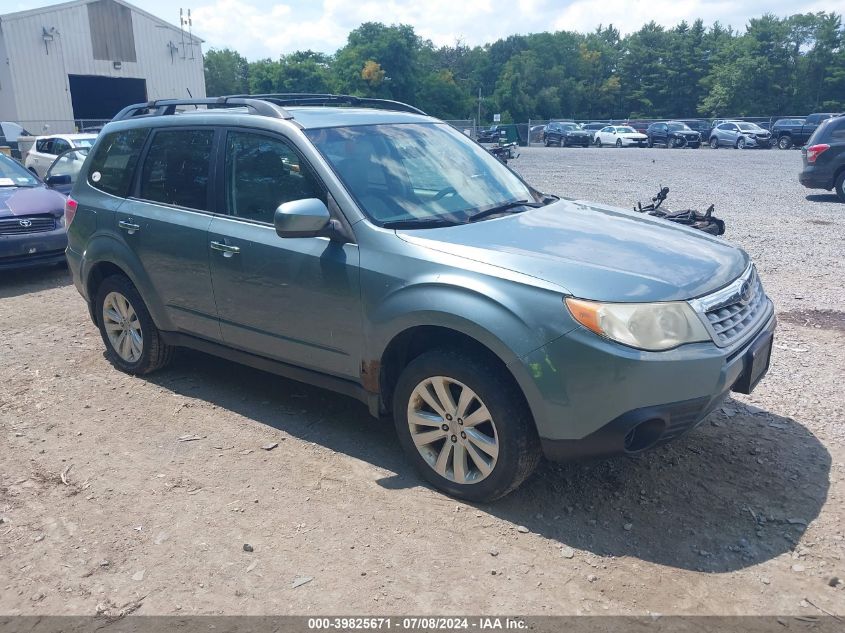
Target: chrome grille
{"x": 742, "y": 307}
{"x": 21, "y": 225}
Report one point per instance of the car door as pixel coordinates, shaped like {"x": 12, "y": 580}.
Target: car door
{"x": 662, "y": 133}
{"x": 165, "y": 223}
{"x": 295, "y": 300}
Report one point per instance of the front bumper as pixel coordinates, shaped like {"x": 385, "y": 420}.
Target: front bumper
{"x": 27, "y": 250}
{"x": 577, "y": 140}
{"x": 587, "y": 393}
{"x": 634, "y": 142}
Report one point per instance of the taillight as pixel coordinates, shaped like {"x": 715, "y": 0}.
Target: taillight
{"x": 814, "y": 151}
{"x": 70, "y": 210}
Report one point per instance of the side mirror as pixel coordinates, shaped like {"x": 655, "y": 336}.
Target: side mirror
{"x": 302, "y": 218}
{"x": 58, "y": 181}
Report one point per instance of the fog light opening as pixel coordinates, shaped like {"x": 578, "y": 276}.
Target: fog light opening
{"x": 644, "y": 435}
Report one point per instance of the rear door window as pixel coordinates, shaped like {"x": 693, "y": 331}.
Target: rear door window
{"x": 176, "y": 168}
{"x": 60, "y": 145}
{"x": 113, "y": 164}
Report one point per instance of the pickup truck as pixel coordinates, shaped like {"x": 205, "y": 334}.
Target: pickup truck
{"x": 796, "y": 131}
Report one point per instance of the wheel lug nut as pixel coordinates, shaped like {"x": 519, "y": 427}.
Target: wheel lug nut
{"x": 454, "y": 439}
{"x": 449, "y": 417}
{"x": 463, "y": 435}
{"x": 445, "y": 427}
{"x": 460, "y": 421}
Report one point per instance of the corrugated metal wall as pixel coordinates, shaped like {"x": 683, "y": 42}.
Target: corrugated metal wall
{"x": 44, "y": 48}
{"x": 112, "y": 38}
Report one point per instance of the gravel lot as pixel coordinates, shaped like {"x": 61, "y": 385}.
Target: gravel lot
{"x": 104, "y": 509}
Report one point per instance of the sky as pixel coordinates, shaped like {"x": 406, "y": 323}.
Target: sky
{"x": 269, "y": 28}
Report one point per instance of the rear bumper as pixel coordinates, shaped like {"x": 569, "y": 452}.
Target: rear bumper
{"x": 32, "y": 249}
{"x": 814, "y": 178}
{"x": 588, "y": 394}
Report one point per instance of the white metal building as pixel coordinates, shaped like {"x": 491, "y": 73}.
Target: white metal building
{"x": 85, "y": 60}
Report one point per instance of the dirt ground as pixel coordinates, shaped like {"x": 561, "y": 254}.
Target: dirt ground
{"x": 140, "y": 493}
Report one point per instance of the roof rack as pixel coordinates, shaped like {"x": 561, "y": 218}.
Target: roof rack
{"x": 316, "y": 99}
{"x": 164, "y": 107}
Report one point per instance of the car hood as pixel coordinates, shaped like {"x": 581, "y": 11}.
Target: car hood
{"x": 577, "y": 132}
{"x": 595, "y": 252}
{"x": 30, "y": 201}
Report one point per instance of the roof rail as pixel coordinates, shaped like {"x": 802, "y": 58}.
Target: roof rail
{"x": 164, "y": 107}
{"x": 316, "y": 99}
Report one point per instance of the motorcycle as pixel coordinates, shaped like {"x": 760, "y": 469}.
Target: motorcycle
{"x": 706, "y": 221}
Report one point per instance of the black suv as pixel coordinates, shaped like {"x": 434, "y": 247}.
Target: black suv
{"x": 824, "y": 158}
{"x": 565, "y": 134}
{"x": 672, "y": 134}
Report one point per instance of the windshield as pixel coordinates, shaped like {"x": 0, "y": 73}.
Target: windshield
{"x": 569, "y": 126}
{"x": 418, "y": 174}
{"x": 749, "y": 127}
{"x": 83, "y": 142}
{"x": 13, "y": 174}
{"x": 626, "y": 130}
{"x": 677, "y": 127}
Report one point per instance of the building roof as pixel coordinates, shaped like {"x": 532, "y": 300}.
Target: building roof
{"x": 75, "y": 3}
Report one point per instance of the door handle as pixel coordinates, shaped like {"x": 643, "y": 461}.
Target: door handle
{"x": 129, "y": 227}
{"x": 226, "y": 249}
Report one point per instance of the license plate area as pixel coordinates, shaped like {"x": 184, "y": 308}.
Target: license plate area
{"x": 755, "y": 363}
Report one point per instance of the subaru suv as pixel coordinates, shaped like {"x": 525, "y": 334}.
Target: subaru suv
{"x": 362, "y": 246}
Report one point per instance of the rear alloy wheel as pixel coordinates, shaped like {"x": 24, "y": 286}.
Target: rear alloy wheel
{"x": 619, "y": 142}
{"x": 714, "y": 143}
{"x": 133, "y": 342}
{"x": 785, "y": 142}
{"x": 839, "y": 186}
{"x": 466, "y": 428}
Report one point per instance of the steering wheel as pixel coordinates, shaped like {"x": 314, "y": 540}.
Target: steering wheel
{"x": 446, "y": 191}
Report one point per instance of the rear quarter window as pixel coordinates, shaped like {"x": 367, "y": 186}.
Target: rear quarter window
{"x": 115, "y": 159}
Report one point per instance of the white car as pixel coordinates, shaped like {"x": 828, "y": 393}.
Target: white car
{"x": 46, "y": 148}
{"x": 620, "y": 136}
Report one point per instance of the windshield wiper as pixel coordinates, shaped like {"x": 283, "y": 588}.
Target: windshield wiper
{"x": 503, "y": 208}
{"x": 421, "y": 223}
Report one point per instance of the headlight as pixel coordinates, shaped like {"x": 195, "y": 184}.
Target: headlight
{"x": 647, "y": 326}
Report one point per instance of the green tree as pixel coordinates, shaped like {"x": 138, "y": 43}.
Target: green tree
{"x": 226, "y": 72}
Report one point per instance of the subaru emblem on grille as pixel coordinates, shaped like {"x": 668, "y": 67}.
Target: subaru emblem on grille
{"x": 745, "y": 293}
{"x": 25, "y": 223}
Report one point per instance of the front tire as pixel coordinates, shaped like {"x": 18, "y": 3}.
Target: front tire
{"x": 784, "y": 142}
{"x": 619, "y": 142}
{"x": 598, "y": 142}
{"x": 714, "y": 143}
{"x": 740, "y": 143}
{"x": 464, "y": 425}
{"x": 133, "y": 342}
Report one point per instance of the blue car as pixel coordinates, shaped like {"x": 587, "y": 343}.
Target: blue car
{"x": 32, "y": 226}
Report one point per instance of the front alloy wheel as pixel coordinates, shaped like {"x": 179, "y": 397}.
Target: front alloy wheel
{"x": 740, "y": 144}
{"x": 464, "y": 424}
{"x": 453, "y": 430}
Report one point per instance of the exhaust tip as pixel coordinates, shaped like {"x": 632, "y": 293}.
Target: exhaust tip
{"x": 644, "y": 435}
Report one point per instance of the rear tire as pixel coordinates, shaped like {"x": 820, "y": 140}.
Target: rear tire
{"x": 839, "y": 186}
{"x": 714, "y": 143}
{"x": 598, "y": 142}
{"x": 619, "y": 142}
{"x": 649, "y": 142}
{"x": 784, "y": 142}
{"x": 133, "y": 342}
{"x": 493, "y": 413}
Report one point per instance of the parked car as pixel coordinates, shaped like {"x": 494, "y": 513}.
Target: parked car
{"x": 702, "y": 126}
{"x": 387, "y": 256}
{"x": 824, "y": 158}
{"x": 592, "y": 128}
{"x": 9, "y": 134}
{"x": 565, "y": 134}
{"x": 502, "y": 133}
{"x": 62, "y": 174}
{"x": 741, "y": 135}
{"x": 620, "y": 136}
{"x": 638, "y": 125}
{"x": 794, "y": 132}
{"x": 46, "y": 148}
{"x": 672, "y": 134}
{"x": 32, "y": 229}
